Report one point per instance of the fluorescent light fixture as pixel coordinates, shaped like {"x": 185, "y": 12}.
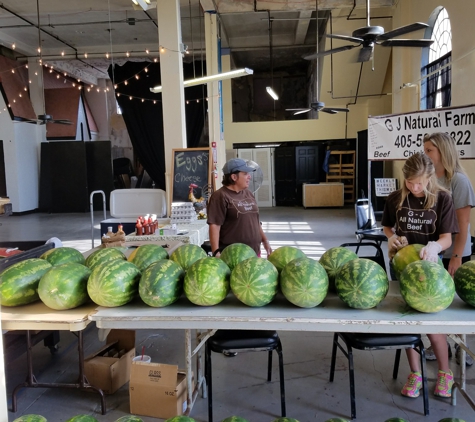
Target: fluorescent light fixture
{"x": 144, "y": 4}
{"x": 212, "y": 78}
{"x": 272, "y": 93}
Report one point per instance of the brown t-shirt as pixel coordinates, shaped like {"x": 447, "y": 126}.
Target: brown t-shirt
{"x": 420, "y": 225}
{"x": 238, "y": 215}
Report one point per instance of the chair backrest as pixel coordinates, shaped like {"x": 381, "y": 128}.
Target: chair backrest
{"x": 362, "y": 249}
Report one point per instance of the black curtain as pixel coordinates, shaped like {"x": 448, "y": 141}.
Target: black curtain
{"x": 446, "y": 81}
{"x": 144, "y": 119}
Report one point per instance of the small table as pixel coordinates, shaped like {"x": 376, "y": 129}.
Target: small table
{"x": 38, "y": 316}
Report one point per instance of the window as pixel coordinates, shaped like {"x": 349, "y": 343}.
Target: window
{"x": 436, "y": 73}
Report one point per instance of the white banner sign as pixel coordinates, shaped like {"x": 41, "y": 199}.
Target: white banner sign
{"x": 398, "y": 136}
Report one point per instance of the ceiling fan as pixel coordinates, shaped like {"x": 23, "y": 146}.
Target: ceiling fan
{"x": 317, "y": 105}
{"x": 368, "y": 36}
{"x": 43, "y": 119}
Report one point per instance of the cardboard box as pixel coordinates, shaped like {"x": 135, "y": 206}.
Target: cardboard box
{"x": 109, "y": 367}
{"x": 157, "y": 390}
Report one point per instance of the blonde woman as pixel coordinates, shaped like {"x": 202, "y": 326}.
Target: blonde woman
{"x": 423, "y": 212}
{"x": 441, "y": 149}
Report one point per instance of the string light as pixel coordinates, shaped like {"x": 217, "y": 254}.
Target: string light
{"x": 127, "y": 54}
{"x": 13, "y": 46}
{"x": 85, "y": 55}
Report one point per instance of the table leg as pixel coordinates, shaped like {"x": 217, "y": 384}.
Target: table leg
{"x": 31, "y": 381}
{"x": 460, "y": 385}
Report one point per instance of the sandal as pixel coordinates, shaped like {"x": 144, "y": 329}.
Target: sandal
{"x": 413, "y": 385}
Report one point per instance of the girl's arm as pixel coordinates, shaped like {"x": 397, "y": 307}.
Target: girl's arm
{"x": 463, "y": 218}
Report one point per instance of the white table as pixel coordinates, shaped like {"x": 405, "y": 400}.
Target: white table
{"x": 195, "y": 233}
{"x": 38, "y": 316}
{"x": 392, "y": 315}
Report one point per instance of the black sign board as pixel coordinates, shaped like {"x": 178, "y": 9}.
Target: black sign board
{"x": 191, "y": 166}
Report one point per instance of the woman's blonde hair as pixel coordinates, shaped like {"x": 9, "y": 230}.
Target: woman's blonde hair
{"x": 449, "y": 155}
{"x": 420, "y": 165}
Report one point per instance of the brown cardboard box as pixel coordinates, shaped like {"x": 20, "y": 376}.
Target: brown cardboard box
{"x": 107, "y": 369}
{"x": 157, "y": 390}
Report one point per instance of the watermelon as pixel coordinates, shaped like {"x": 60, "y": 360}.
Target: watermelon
{"x": 129, "y": 418}
{"x": 452, "y": 420}
{"x": 361, "y": 283}
{"x": 82, "y": 418}
{"x": 161, "y": 283}
{"x": 464, "y": 279}
{"x": 180, "y": 419}
{"x": 254, "y": 281}
{"x": 31, "y": 418}
{"x": 19, "y": 282}
{"x": 58, "y": 256}
{"x": 64, "y": 286}
{"x": 207, "y": 281}
{"x": 332, "y": 260}
{"x": 234, "y": 418}
{"x": 102, "y": 255}
{"x": 304, "y": 282}
{"x": 337, "y": 420}
{"x": 186, "y": 255}
{"x": 285, "y": 420}
{"x": 426, "y": 286}
{"x": 113, "y": 283}
{"x": 235, "y": 253}
{"x": 145, "y": 255}
{"x": 405, "y": 256}
{"x": 395, "y": 420}
{"x": 283, "y": 255}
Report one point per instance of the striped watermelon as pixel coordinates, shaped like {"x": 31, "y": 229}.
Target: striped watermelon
{"x": 405, "y": 256}
{"x": 161, "y": 283}
{"x": 186, "y": 255}
{"x": 64, "y": 286}
{"x": 234, "y": 418}
{"x": 304, "y": 282}
{"x": 332, "y": 260}
{"x": 82, "y": 418}
{"x": 145, "y": 255}
{"x": 235, "y": 253}
{"x": 285, "y": 420}
{"x": 337, "y": 420}
{"x": 395, "y": 420}
{"x": 207, "y": 281}
{"x": 452, "y": 420}
{"x": 19, "y": 283}
{"x": 113, "y": 283}
{"x": 129, "y": 418}
{"x": 464, "y": 279}
{"x": 361, "y": 283}
{"x": 31, "y": 418}
{"x": 102, "y": 255}
{"x": 254, "y": 281}
{"x": 283, "y": 255}
{"x": 58, "y": 256}
{"x": 180, "y": 419}
{"x": 426, "y": 286}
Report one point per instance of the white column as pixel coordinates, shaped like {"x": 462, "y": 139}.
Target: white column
{"x": 171, "y": 71}
{"x": 215, "y": 117}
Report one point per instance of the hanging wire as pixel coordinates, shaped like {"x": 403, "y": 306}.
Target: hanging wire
{"x": 110, "y": 42}
{"x": 192, "y": 42}
{"x": 40, "y": 47}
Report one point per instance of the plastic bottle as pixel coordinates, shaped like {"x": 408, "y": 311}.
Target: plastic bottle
{"x": 146, "y": 228}
{"x": 109, "y": 233}
{"x": 138, "y": 228}
{"x": 151, "y": 225}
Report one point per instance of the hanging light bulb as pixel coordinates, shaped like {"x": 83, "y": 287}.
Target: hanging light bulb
{"x": 39, "y": 50}
{"x": 13, "y": 46}
{"x": 98, "y": 90}
{"x": 85, "y": 55}
{"x": 115, "y": 86}
{"x": 118, "y": 94}
{"x": 13, "y": 70}
{"x": 62, "y": 53}
{"x": 147, "y": 51}
{"x": 107, "y": 55}
{"x": 127, "y": 54}
{"x": 155, "y": 60}
{"x": 57, "y": 76}
{"x": 155, "y": 101}
{"x": 126, "y": 83}
{"x": 26, "y": 66}
{"x": 143, "y": 100}
{"x": 136, "y": 76}
{"x": 130, "y": 98}
{"x": 89, "y": 90}
{"x": 146, "y": 69}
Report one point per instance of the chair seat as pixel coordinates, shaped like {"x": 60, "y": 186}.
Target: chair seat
{"x": 370, "y": 340}
{"x": 242, "y": 339}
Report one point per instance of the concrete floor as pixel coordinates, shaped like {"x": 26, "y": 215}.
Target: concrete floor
{"x": 240, "y": 387}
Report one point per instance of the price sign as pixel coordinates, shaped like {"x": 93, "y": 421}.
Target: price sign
{"x": 398, "y": 136}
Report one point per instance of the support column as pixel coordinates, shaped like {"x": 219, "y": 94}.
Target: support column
{"x": 171, "y": 71}
{"x": 215, "y": 114}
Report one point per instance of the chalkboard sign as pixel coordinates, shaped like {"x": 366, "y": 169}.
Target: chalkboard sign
{"x": 191, "y": 166}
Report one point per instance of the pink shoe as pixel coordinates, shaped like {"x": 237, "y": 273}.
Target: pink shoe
{"x": 413, "y": 385}
{"x": 445, "y": 381}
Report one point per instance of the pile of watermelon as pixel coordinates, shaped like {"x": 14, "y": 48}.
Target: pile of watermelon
{"x": 79, "y": 418}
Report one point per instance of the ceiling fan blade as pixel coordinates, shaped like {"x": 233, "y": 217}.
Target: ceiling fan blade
{"x": 328, "y": 110}
{"x": 327, "y": 52}
{"x": 295, "y": 109}
{"x": 336, "y": 109}
{"x": 403, "y": 30}
{"x": 346, "y": 38}
{"x": 365, "y": 54}
{"x": 61, "y": 121}
{"x": 301, "y": 111}
{"x": 406, "y": 43}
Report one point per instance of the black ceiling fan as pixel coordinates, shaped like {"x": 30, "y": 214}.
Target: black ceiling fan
{"x": 368, "y": 36}
{"x": 43, "y": 119}
{"x": 317, "y": 105}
